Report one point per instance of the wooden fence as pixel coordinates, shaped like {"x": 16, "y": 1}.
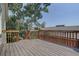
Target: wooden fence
{"x": 66, "y": 38}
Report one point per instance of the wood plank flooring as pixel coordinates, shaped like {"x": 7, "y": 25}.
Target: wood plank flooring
{"x": 36, "y": 47}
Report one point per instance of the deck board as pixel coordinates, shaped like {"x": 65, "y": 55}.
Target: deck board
{"x": 35, "y": 51}
{"x": 21, "y": 49}
{"x": 3, "y": 52}
{"x": 11, "y": 49}
{"x": 7, "y": 50}
{"x": 32, "y": 50}
{"x": 26, "y": 50}
{"x": 16, "y": 53}
{"x": 36, "y": 47}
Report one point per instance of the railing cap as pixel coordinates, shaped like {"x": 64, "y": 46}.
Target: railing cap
{"x": 10, "y": 30}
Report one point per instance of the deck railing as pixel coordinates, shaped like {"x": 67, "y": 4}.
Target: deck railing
{"x": 12, "y": 36}
{"x": 64, "y": 37}
{"x": 33, "y": 34}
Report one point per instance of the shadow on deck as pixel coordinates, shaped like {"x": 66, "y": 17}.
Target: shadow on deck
{"x": 36, "y": 47}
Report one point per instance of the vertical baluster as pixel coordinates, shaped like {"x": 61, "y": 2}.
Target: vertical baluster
{"x": 7, "y": 36}
{"x": 65, "y": 35}
{"x": 16, "y": 35}
{"x": 76, "y": 35}
{"x": 60, "y": 37}
{"x": 67, "y": 39}
{"x": 73, "y": 35}
{"x": 76, "y": 40}
{"x": 70, "y": 40}
{"x": 70, "y": 35}
{"x": 55, "y": 37}
{"x": 10, "y": 38}
{"x": 13, "y": 36}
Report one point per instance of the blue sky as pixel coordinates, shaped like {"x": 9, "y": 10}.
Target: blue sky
{"x": 67, "y": 14}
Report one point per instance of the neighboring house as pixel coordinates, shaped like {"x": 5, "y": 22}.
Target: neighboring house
{"x": 75, "y": 28}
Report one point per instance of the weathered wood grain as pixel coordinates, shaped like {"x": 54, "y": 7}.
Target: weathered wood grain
{"x": 36, "y": 47}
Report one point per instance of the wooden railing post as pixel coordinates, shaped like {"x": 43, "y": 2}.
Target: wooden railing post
{"x": 17, "y": 36}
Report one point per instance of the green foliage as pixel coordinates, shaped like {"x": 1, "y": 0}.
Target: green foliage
{"x": 10, "y": 24}
{"x": 31, "y": 12}
{"x": 15, "y": 7}
{"x": 22, "y": 34}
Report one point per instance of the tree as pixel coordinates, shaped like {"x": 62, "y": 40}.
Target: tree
{"x": 31, "y": 12}
{"x": 14, "y": 8}
{"x": 43, "y": 24}
{"x": 10, "y": 23}
{"x": 34, "y": 12}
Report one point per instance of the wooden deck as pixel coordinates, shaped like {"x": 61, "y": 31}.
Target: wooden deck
{"x": 36, "y": 48}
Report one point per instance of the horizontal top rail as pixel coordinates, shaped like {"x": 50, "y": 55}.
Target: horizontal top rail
{"x": 62, "y": 30}
{"x": 10, "y": 30}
